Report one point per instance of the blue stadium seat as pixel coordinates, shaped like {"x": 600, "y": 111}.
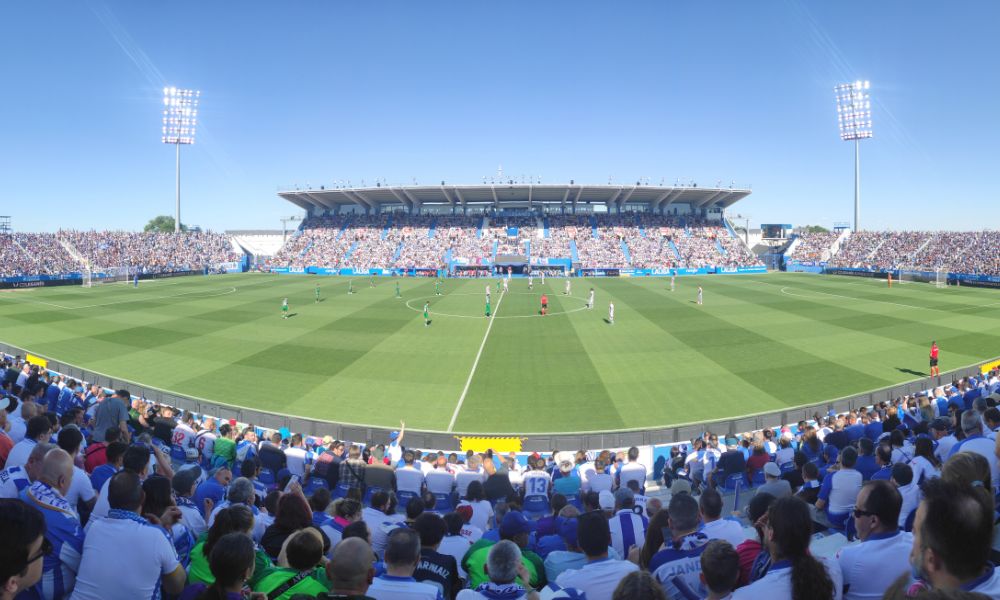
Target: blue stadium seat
{"x": 758, "y": 477}
{"x": 733, "y": 482}
{"x": 313, "y": 484}
{"x": 267, "y": 478}
{"x": 536, "y": 506}
{"x": 369, "y": 491}
{"x": 404, "y": 499}
{"x": 787, "y": 467}
{"x": 443, "y": 503}
{"x": 574, "y": 499}
{"x": 340, "y": 491}
{"x": 177, "y": 454}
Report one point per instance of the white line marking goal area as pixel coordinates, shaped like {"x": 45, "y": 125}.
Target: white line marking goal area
{"x": 475, "y": 363}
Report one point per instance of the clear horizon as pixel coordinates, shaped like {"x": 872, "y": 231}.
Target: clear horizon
{"x": 314, "y": 92}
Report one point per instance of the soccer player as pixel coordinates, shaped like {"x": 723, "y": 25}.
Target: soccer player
{"x": 611, "y": 313}
{"x": 284, "y": 308}
{"x": 531, "y": 282}
{"x": 505, "y": 284}
{"x": 488, "y": 292}
{"x": 437, "y": 287}
{"x": 590, "y": 300}
{"x": 499, "y": 283}
{"x": 488, "y": 310}
{"x": 317, "y": 293}
{"x": 935, "y": 372}
{"x": 567, "y": 292}
{"x": 427, "y": 314}
{"x": 545, "y": 304}
{"x": 888, "y": 278}
{"x": 543, "y": 277}
{"x": 371, "y": 282}
{"x": 350, "y": 286}
{"x": 135, "y": 280}
{"x": 700, "y": 295}
{"x": 673, "y": 276}
{"x": 398, "y": 295}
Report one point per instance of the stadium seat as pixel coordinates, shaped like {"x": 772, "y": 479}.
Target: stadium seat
{"x": 536, "y": 506}
{"x": 313, "y": 484}
{"x": 758, "y": 477}
{"x": 733, "y": 482}
{"x": 340, "y": 491}
{"x": 787, "y": 467}
{"x": 267, "y": 478}
{"x": 404, "y": 499}
{"x": 574, "y": 499}
{"x": 443, "y": 503}
{"x": 369, "y": 491}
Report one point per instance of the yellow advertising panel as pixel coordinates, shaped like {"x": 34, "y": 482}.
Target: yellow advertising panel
{"x": 37, "y": 361}
{"x": 989, "y": 367}
{"x": 500, "y": 445}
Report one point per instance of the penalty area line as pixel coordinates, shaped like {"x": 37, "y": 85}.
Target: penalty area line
{"x": 475, "y": 363}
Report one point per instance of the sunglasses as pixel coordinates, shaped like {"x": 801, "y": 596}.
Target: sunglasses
{"x": 43, "y": 551}
{"x": 858, "y": 513}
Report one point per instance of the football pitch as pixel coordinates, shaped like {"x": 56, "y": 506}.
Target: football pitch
{"x": 759, "y": 343}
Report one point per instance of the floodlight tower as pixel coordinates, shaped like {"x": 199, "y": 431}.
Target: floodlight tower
{"x": 180, "y": 118}
{"x": 854, "y": 114}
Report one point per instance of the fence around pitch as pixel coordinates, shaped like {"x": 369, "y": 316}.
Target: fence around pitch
{"x": 542, "y": 442}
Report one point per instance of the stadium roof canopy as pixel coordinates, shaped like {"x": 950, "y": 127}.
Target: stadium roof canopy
{"x": 513, "y": 195}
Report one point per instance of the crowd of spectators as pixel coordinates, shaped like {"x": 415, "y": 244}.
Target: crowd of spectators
{"x": 151, "y": 252}
{"x": 813, "y": 247}
{"x": 103, "y": 495}
{"x": 972, "y": 252}
{"x": 34, "y": 254}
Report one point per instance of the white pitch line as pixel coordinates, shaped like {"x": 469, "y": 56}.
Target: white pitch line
{"x": 475, "y": 363}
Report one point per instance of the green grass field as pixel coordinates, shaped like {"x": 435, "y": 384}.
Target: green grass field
{"x": 759, "y": 343}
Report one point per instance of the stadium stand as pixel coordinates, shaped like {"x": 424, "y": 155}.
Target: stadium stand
{"x": 934, "y": 433}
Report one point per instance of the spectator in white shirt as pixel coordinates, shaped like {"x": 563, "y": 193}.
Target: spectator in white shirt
{"x": 869, "y": 568}
{"x": 628, "y": 527}
{"x": 632, "y": 470}
{"x": 600, "y": 575}
{"x": 152, "y": 559}
{"x": 720, "y": 569}
{"x": 81, "y": 494}
{"x": 794, "y": 572}
{"x": 15, "y": 479}
{"x": 902, "y": 478}
{"x": 713, "y": 525}
{"x": 38, "y": 429}
{"x": 439, "y": 480}
{"x": 472, "y": 472}
{"x": 454, "y": 543}
{"x": 299, "y": 460}
{"x": 382, "y": 519}
{"x": 402, "y": 554}
{"x": 482, "y": 510}
{"x": 409, "y": 478}
{"x": 598, "y": 481}
{"x": 952, "y": 537}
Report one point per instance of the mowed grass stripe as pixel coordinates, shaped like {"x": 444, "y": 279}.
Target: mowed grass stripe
{"x": 534, "y": 374}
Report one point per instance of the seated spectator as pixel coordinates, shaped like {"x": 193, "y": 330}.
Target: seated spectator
{"x": 15, "y": 479}
{"x": 435, "y": 568}
{"x": 292, "y": 515}
{"x": 345, "y": 512}
{"x": 402, "y": 556}
{"x": 794, "y": 573}
{"x": 600, "y": 575}
{"x": 482, "y": 510}
{"x": 440, "y": 480}
{"x": 774, "y": 485}
{"x": 233, "y": 519}
{"x": 639, "y": 585}
{"x": 720, "y": 569}
{"x": 352, "y": 470}
{"x": 409, "y": 478}
{"x": 113, "y": 454}
{"x": 271, "y": 456}
{"x": 869, "y": 568}
{"x": 472, "y": 472}
{"x": 497, "y": 486}
{"x": 902, "y": 478}
{"x": 224, "y": 450}
{"x": 381, "y": 518}
{"x": 454, "y": 543}
{"x": 232, "y": 565}
{"x": 633, "y": 470}
{"x": 241, "y": 491}
{"x": 952, "y": 536}
{"x": 549, "y": 524}
{"x": 152, "y": 559}
{"x": 974, "y": 441}
{"x": 81, "y": 494}
{"x": 713, "y": 525}
{"x": 840, "y": 488}
{"x": 63, "y": 530}
{"x": 568, "y": 483}
{"x": 677, "y": 566}
{"x": 883, "y": 459}
{"x": 514, "y": 527}
{"x": 628, "y": 527}
{"x": 809, "y": 491}
{"x": 730, "y": 462}
{"x": 39, "y": 429}
{"x": 298, "y": 569}
{"x": 184, "y": 483}
{"x": 924, "y": 464}
{"x": 23, "y": 549}
{"x": 298, "y": 459}
{"x": 157, "y": 498}
{"x": 755, "y": 558}
{"x": 213, "y": 488}
{"x": 350, "y": 571}
{"x": 866, "y": 463}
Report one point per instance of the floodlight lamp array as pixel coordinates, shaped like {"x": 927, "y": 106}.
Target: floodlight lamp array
{"x": 854, "y": 110}
{"x": 180, "y": 115}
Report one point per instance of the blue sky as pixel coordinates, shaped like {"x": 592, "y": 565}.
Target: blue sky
{"x": 313, "y": 92}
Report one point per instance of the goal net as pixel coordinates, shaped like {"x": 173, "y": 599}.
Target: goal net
{"x": 108, "y": 275}
{"x": 940, "y": 277}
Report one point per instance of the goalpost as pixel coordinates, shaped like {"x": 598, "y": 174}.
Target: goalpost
{"x": 940, "y": 277}
{"x": 99, "y": 276}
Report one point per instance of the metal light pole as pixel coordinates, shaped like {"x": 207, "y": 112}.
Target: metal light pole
{"x": 180, "y": 119}
{"x": 854, "y": 115}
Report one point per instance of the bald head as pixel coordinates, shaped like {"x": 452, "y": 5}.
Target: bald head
{"x": 350, "y": 568}
{"x": 57, "y": 470}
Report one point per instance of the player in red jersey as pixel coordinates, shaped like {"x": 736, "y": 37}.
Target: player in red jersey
{"x": 545, "y": 304}
{"x": 935, "y": 372}
{"x": 889, "y": 279}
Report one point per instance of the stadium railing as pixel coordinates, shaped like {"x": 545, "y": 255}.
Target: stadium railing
{"x": 542, "y": 442}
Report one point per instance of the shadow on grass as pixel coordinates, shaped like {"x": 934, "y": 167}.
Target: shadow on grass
{"x": 911, "y": 372}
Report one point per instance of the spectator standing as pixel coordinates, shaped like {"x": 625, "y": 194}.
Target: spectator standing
{"x": 112, "y": 411}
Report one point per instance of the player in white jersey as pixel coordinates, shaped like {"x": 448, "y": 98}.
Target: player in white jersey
{"x": 672, "y": 278}
{"x": 567, "y": 292}
{"x": 543, "y": 277}
{"x": 505, "y": 284}
{"x": 700, "y": 295}
{"x": 611, "y": 313}
{"x": 590, "y": 300}
{"x": 531, "y": 282}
